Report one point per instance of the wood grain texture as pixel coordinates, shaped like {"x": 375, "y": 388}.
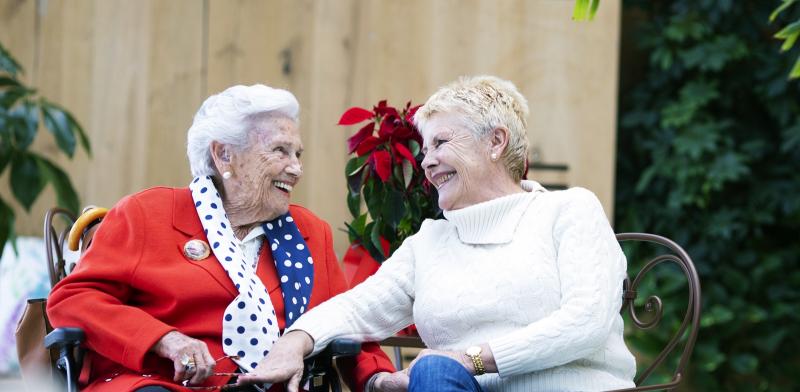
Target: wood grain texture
{"x": 134, "y": 73}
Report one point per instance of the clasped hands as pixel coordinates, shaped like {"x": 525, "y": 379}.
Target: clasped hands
{"x": 193, "y": 363}
{"x": 284, "y": 363}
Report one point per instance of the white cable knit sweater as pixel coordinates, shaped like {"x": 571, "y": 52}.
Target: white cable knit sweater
{"x": 538, "y": 275}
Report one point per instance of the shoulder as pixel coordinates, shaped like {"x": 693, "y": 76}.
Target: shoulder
{"x": 159, "y": 195}
{"x": 307, "y": 221}
{"x": 576, "y": 197}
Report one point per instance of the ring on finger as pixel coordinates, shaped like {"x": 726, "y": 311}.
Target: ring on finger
{"x": 189, "y": 363}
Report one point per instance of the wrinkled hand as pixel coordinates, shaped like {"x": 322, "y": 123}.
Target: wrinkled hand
{"x": 284, "y": 363}
{"x": 457, "y": 356}
{"x": 392, "y": 382}
{"x": 176, "y": 347}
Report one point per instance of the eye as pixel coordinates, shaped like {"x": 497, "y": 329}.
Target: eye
{"x": 280, "y": 149}
{"x": 299, "y": 154}
{"x": 439, "y": 142}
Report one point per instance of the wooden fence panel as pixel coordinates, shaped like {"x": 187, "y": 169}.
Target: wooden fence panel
{"x": 134, "y": 73}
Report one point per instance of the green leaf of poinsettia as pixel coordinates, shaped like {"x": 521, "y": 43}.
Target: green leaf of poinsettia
{"x": 375, "y": 239}
{"x": 354, "y": 203}
{"x": 393, "y": 208}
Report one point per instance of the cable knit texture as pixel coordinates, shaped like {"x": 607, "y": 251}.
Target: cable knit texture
{"x": 536, "y": 275}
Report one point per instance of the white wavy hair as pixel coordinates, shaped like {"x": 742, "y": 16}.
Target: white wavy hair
{"x": 228, "y": 118}
{"x": 485, "y": 102}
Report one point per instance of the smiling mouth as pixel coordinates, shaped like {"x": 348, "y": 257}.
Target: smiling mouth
{"x": 443, "y": 179}
{"x": 283, "y": 186}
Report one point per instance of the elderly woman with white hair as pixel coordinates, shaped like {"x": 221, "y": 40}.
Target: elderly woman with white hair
{"x": 517, "y": 289}
{"x": 183, "y": 288}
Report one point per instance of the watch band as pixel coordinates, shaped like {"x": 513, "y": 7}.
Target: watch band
{"x": 474, "y": 353}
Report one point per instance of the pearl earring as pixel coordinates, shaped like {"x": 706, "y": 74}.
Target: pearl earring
{"x": 226, "y": 175}
{"x": 494, "y": 156}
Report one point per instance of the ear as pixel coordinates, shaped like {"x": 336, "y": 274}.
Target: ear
{"x": 499, "y": 140}
{"x": 221, "y": 156}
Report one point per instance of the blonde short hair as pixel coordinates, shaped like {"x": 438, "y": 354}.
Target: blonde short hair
{"x": 486, "y": 103}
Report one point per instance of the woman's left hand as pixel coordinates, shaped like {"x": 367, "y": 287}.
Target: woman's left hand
{"x": 284, "y": 363}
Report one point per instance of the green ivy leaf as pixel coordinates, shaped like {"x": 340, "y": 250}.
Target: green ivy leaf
{"x": 58, "y": 124}
{"x": 66, "y": 196}
{"x": 744, "y": 363}
{"x": 26, "y": 180}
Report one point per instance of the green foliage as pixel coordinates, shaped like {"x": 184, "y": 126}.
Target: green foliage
{"x": 385, "y": 173}
{"x": 22, "y": 111}
{"x": 708, "y": 155}
{"x": 585, "y": 9}
{"x": 788, "y": 34}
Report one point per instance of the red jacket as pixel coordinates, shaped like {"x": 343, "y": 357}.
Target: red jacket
{"x": 133, "y": 285}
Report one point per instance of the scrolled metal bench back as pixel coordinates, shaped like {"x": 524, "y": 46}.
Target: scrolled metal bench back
{"x": 654, "y": 305}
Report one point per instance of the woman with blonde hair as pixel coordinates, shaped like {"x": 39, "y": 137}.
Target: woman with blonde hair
{"x": 517, "y": 289}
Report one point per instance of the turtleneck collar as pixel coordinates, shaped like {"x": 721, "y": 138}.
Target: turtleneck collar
{"x": 493, "y": 221}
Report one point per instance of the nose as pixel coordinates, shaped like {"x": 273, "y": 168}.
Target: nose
{"x": 295, "y": 168}
{"x": 429, "y": 160}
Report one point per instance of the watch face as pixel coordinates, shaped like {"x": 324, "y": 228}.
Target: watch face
{"x": 474, "y": 350}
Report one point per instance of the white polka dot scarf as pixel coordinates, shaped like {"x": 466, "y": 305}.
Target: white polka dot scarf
{"x": 249, "y": 327}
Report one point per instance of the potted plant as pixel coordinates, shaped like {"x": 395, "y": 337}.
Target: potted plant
{"x": 22, "y": 110}
{"x": 385, "y": 175}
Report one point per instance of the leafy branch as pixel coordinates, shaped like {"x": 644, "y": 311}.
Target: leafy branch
{"x": 788, "y": 34}
{"x": 22, "y": 111}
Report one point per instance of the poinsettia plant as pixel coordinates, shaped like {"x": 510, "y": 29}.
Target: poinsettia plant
{"x": 385, "y": 174}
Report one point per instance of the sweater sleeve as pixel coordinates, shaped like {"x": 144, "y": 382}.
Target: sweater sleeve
{"x": 372, "y": 359}
{"x": 591, "y": 267}
{"x": 94, "y": 296}
{"x": 374, "y": 310}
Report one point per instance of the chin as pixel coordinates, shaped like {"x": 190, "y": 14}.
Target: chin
{"x": 444, "y": 204}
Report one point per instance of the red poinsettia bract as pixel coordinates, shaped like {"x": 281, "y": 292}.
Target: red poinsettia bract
{"x": 394, "y": 132}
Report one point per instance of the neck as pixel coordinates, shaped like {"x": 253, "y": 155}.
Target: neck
{"x": 242, "y": 219}
{"x": 503, "y": 186}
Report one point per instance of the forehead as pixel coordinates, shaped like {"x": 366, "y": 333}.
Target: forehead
{"x": 442, "y": 125}
{"x": 274, "y": 130}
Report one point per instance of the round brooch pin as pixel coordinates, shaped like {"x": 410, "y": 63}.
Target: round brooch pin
{"x": 196, "y": 250}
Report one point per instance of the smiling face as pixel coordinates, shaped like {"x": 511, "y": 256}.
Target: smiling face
{"x": 263, "y": 174}
{"x": 457, "y": 162}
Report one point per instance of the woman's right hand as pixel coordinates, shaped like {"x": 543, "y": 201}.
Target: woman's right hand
{"x": 179, "y": 348}
{"x": 284, "y": 363}
{"x": 391, "y": 382}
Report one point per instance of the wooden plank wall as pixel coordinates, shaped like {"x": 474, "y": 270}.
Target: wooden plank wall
{"x": 134, "y": 72}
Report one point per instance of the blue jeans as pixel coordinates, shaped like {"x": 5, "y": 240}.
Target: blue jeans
{"x": 438, "y": 373}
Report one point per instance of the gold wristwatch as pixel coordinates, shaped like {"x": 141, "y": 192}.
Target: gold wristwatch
{"x": 474, "y": 353}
